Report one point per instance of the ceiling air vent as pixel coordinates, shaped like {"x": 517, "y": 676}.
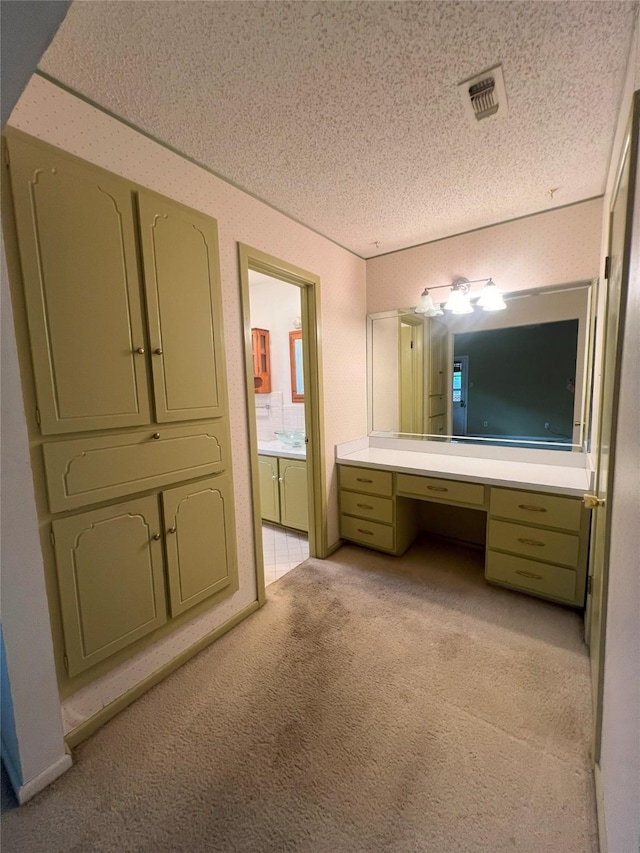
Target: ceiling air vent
{"x": 484, "y": 95}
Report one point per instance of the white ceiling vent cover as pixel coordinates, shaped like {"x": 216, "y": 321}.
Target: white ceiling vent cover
{"x": 484, "y": 95}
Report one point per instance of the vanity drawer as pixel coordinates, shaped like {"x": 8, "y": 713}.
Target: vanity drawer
{"x": 437, "y": 405}
{"x": 367, "y": 480}
{"x": 367, "y": 532}
{"x": 534, "y": 542}
{"x": 536, "y": 508}
{"x": 528, "y": 575}
{"x": 377, "y": 509}
{"x": 89, "y": 470}
{"x": 441, "y": 490}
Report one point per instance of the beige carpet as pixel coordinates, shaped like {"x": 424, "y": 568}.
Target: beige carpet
{"x": 372, "y": 705}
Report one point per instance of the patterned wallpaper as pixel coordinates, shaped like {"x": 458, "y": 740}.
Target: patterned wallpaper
{"x": 61, "y": 119}
{"x": 548, "y": 248}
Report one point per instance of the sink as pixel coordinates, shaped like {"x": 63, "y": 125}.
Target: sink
{"x": 291, "y": 437}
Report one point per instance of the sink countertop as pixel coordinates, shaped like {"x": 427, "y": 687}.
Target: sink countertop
{"x": 279, "y": 448}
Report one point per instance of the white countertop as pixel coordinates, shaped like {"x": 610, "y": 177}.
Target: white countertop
{"x": 556, "y": 478}
{"x": 279, "y": 448}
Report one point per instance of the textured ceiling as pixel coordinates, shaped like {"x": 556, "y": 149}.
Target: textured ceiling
{"x": 346, "y": 115}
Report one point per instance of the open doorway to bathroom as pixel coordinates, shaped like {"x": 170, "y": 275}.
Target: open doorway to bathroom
{"x": 275, "y": 311}
{"x": 284, "y": 398}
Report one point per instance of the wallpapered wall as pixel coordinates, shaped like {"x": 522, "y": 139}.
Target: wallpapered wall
{"x": 59, "y": 118}
{"x": 549, "y": 248}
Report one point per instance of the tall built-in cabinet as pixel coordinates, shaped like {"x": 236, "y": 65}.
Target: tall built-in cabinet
{"x": 129, "y": 430}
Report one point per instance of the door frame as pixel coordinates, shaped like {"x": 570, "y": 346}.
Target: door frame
{"x": 630, "y": 150}
{"x": 309, "y": 284}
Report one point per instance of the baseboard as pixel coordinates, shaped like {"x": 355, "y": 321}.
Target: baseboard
{"x": 333, "y": 548}
{"x": 25, "y": 791}
{"x": 602, "y": 827}
{"x": 84, "y": 730}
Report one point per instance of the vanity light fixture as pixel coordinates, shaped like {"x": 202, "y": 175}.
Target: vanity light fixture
{"x": 459, "y": 301}
{"x": 426, "y": 305}
{"x": 491, "y": 299}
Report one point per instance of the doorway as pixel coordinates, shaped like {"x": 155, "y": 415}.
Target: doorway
{"x": 459, "y": 393}
{"x": 411, "y": 375}
{"x": 283, "y": 383}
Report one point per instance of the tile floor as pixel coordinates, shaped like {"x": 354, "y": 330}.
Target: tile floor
{"x": 283, "y": 550}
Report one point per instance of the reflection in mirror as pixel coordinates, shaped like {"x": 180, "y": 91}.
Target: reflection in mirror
{"x": 297, "y": 375}
{"x": 518, "y": 377}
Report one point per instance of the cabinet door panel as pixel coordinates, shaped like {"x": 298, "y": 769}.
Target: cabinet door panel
{"x": 269, "y": 491}
{"x": 110, "y": 578}
{"x": 76, "y": 237}
{"x": 200, "y": 539}
{"x": 294, "y": 499}
{"x": 180, "y": 256}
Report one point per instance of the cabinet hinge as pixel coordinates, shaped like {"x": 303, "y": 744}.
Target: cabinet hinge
{"x": 411, "y": 344}
{"x": 589, "y": 584}
{"x": 37, "y": 415}
{"x": 52, "y": 536}
{"x": 607, "y": 267}
{"x": 66, "y": 662}
{"x": 5, "y": 155}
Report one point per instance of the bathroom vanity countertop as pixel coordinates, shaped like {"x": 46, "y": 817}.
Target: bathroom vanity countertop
{"x": 557, "y": 479}
{"x": 279, "y": 448}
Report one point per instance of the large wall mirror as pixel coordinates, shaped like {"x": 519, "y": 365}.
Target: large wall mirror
{"x": 521, "y": 376}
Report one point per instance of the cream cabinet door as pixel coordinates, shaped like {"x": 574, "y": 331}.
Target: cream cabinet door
{"x": 269, "y": 490}
{"x": 180, "y": 258}
{"x": 437, "y": 358}
{"x": 76, "y": 237}
{"x": 200, "y": 541}
{"x": 294, "y": 499}
{"x": 110, "y": 577}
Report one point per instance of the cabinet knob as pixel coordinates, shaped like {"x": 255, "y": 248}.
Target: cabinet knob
{"x": 156, "y": 536}
{"x": 274, "y": 477}
{"x": 281, "y": 479}
{"x": 140, "y": 350}
{"x": 156, "y": 435}
{"x": 171, "y": 530}
{"x": 158, "y": 351}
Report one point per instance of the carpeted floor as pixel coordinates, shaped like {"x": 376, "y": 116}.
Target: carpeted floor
{"x": 372, "y": 705}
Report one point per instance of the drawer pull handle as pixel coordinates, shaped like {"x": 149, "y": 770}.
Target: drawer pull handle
{"x": 368, "y": 532}
{"x": 364, "y": 506}
{"x": 531, "y": 508}
{"x": 536, "y": 542}
{"x": 363, "y": 480}
{"x": 156, "y": 435}
{"x": 529, "y": 575}
{"x": 438, "y": 488}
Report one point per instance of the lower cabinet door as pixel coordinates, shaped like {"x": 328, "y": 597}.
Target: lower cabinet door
{"x": 200, "y": 541}
{"x": 294, "y": 498}
{"x": 269, "y": 492}
{"x": 110, "y": 577}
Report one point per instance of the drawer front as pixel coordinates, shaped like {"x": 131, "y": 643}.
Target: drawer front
{"x": 441, "y": 490}
{"x": 547, "y": 545}
{"x": 377, "y": 509}
{"x": 367, "y": 532}
{"x": 89, "y": 470}
{"x": 535, "y": 508}
{"x": 437, "y": 405}
{"x": 367, "y": 480}
{"x": 531, "y": 576}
